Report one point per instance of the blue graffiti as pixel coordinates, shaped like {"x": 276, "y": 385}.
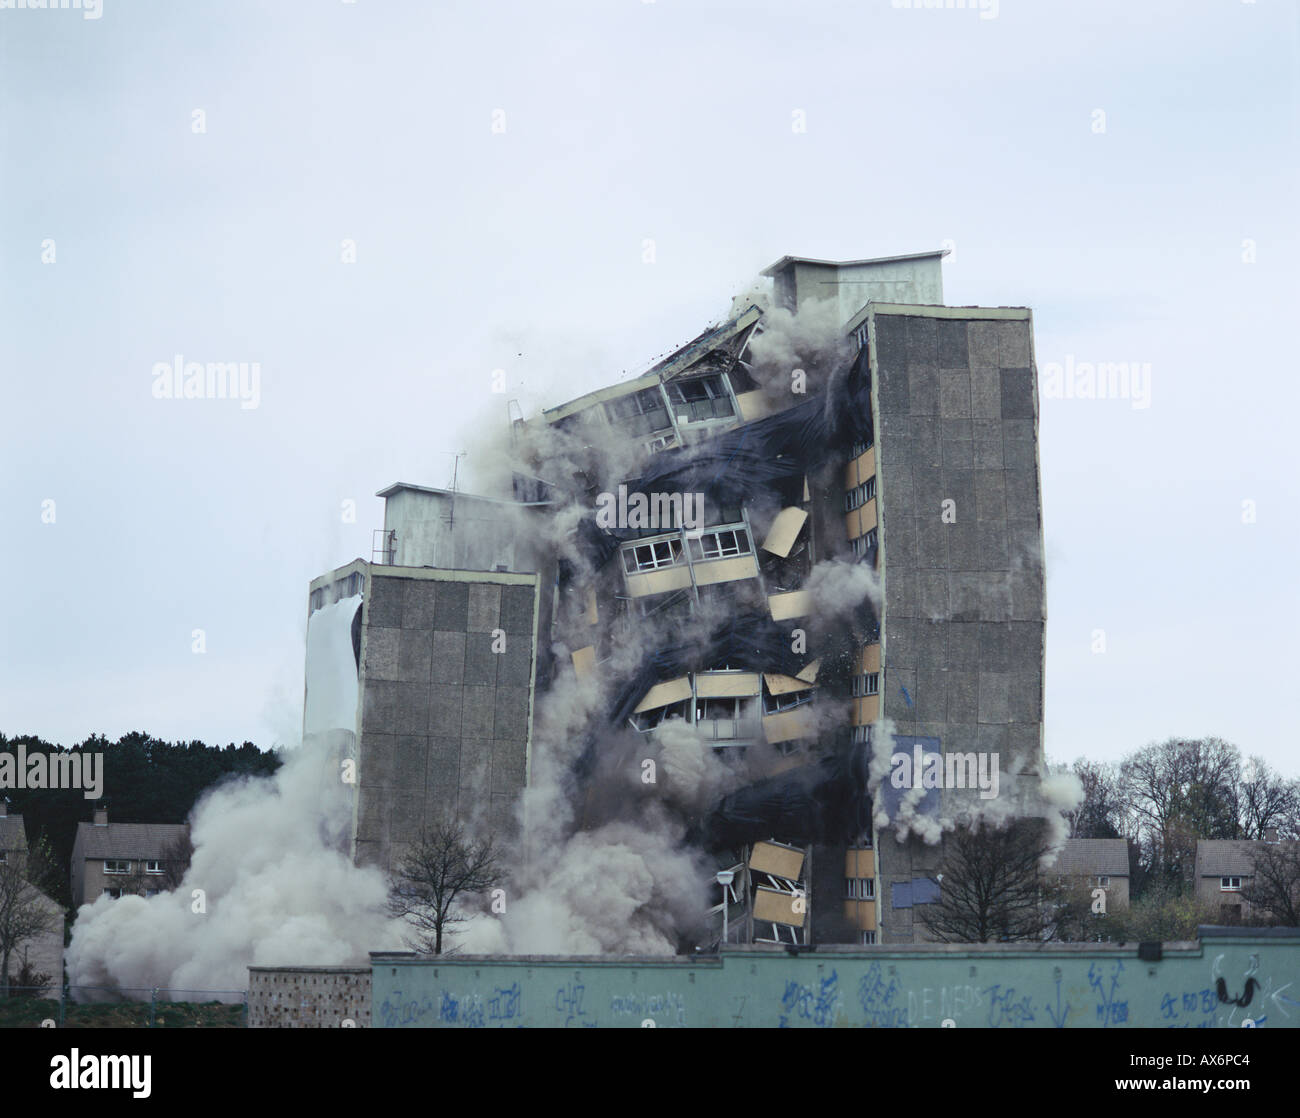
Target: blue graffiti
{"x": 1110, "y": 1010}
{"x": 1006, "y": 1008}
{"x": 819, "y": 1006}
{"x": 1058, "y": 1015}
{"x": 568, "y": 1000}
{"x": 506, "y": 1003}
{"x": 877, "y": 1000}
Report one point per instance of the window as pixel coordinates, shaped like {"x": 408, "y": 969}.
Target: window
{"x": 154, "y": 866}
{"x": 724, "y": 719}
{"x": 112, "y": 892}
{"x": 859, "y": 495}
{"x": 868, "y": 938}
{"x": 649, "y": 556}
{"x": 1103, "y": 882}
{"x": 720, "y": 545}
{"x": 860, "y": 888}
{"x": 647, "y": 720}
{"x": 639, "y": 413}
{"x": 1230, "y": 884}
{"x": 774, "y": 704}
{"x": 116, "y": 865}
{"x": 700, "y": 398}
{"x": 861, "y": 735}
{"x": 868, "y": 684}
{"x": 860, "y": 447}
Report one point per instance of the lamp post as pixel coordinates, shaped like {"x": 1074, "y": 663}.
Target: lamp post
{"x": 725, "y": 877}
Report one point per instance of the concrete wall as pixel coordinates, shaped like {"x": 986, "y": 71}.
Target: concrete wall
{"x": 956, "y": 406}
{"x": 308, "y": 997}
{"x": 455, "y": 532}
{"x": 917, "y": 280}
{"x": 985, "y": 986}
{"x": 445, "y": 718}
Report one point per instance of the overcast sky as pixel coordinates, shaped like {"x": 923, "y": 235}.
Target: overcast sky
{"x": 499, "y": 168}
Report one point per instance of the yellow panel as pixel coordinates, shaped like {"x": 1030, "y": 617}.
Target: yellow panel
{"x": 590, "y": 615}
{"x": 867, "y": 517}
{"x": 850, "y": 476}
{"x": 783, "y": 684}
{"x": 716, "y": 685}
{"x": 776, "y": 908}
{"x": 584, "y": 661}
{"x": 789, "y": 724}
{"x": 780, "y": 861}
{"x": 658, "y": 582}
{"x": 784, "y": 606}
{"x": 809, "y": 674}
{"x": 784, "y": 531}
{"x": 861, "y": 914}
{"x": 870, "y": 658}
{"x": 753, "y": 405}
{"x": 866, "y": 462}
{"x": 866, "y": 710}
{"x": 661, "y": 694}
{"x": 851, "y": 525}
{"x": 725, "y": 570}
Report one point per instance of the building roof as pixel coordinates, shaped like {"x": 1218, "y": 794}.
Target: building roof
{"x": 13, "y": 836}
{"x": 460, "y": 495}
{"x": 126, "y": 840}
{"x": 1094, "y": 856}
{"x": 772, "y": 269}
{"x": 1225, "y": 857}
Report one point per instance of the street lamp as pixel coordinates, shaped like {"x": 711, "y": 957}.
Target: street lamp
{"x": 725, "y": 878}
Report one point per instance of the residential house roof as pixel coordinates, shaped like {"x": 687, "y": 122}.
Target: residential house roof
{"x": 1225, "y": 857}
{"x": 125, "y": 840}
{"x": 1094, "y": 856}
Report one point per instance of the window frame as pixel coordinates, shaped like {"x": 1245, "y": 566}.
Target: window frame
{"x": 1226, "y": 886}
{"x": 117, "y": 862}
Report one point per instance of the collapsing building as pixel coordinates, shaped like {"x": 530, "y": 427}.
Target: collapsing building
{"x": 802, "y": 550}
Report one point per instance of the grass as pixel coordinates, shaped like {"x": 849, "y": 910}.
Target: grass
{"x": 28, "y": 1013}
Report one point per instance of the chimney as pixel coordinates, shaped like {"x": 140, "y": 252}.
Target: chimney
{"x": 101, "y": 817}
{"x": 1270, "y": 834}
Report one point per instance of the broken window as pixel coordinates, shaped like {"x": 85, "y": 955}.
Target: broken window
{"x": 860, "y": 447}
{"x": 639, "y": 413}
{"x": 700, "y": 398}
{"x": 725, "y": 719}
{"x": 650, "y": 556}
{"x": 720, "y": 545}
{"x": 647, "y": 720}
{"x": 774, "y": 704}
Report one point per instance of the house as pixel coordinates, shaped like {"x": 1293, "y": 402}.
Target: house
{"x": 42, "y": 953}
{"x": 1098, "y": 864}
{"x": 1224, "y": 868}
{"x": 120, "y": 858}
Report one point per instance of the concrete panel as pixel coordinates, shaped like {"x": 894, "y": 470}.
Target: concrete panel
{"x": 990, "y": 495}
{"x": 1026, "y": 588}
{"x": 1013, "y": 344}
{"x": 893, "y": 391}
{"x": 375, "y": 767}
{"x": 515, "y": 664}
{"x": 478, "y": 713}
{"x": 899, "y": 541}
{"x": 964, "y": 595}
{"x": 963, "y": 540}
{"x": 1024, "y": 697}
{"x": 958, "y": 454}
{"x": 451, "y": 608}
{"x": 480, "y": 661}
{"x": 418, "y": 598}
{"x": 517, "y": 609}
{"x": 448, "y": 658}
{"x": 409, "y": 762}
{"x": 923, "y": 389}
{"x": 1017, "y": 394}
{"x": 985, "y": 393}
{"x": 922, "y": 341}
{"x": 414, "y": 652}
{"x": 964, "y": 645}
{"x": 484, "y": 607}
{"x": 442, "y": 769}
{"x": 931, "y": 696}
{"x": 932, "y": 594}
{"x": 379, "y": 703}
{"x": 381, "y": 653}
{"x": 931, "y": 540}
{"x": 509, "y": 762}
{"x": 900, "y": 594}
{"x": 994, "y": 696}
{"x": 446, "y": 703}
{"x": 412, "y": 714}
{"x": 988, "y": 445}
{"x": 995, "y": 646}
{"x": 384, "y": 603}
{"x": 993, "y": 552}
{"x": 954, "y": 394}
{"x": 982, "y": 343}
{"x": 963, "y": 699}
{"x": 511, "y": 712}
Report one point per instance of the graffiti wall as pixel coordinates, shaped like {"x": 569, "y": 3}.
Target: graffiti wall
{"x": 1225, "y": 980}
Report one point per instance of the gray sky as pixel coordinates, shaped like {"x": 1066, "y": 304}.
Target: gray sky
{"x": 523, "y": 250}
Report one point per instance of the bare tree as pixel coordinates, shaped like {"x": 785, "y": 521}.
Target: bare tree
{"x": 176, "y": 857}
{"x": 1101, "y": 812}
{"x": 1275, "y": 887}
{"x": 991, "y": 888}
{"x": 25, "y": 912}
{"x": 444, "y": 865}
{"x": 1267, "y": 801}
